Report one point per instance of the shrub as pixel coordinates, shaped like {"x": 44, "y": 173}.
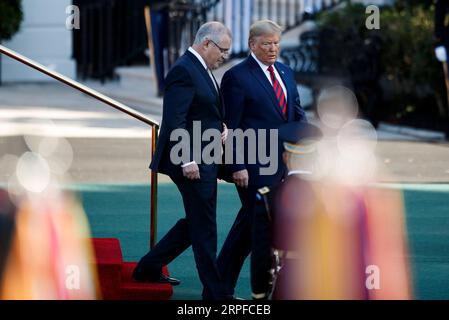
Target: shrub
{"x": 10, "y": 18}
{"x": 412, "y": 78}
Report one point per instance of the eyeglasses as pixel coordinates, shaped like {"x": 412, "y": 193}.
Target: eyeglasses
{"x": 223, "y": 51}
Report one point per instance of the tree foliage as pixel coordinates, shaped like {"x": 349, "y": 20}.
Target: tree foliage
{"x": 412, "y": 76}
{"x": 10, "y": 18}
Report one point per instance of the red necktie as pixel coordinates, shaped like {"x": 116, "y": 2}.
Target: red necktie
{"x": 280, "y": 95}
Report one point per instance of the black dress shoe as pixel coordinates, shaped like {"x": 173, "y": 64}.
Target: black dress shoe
{"x": 141, "y": 276}
{"x": 166, "y": 279}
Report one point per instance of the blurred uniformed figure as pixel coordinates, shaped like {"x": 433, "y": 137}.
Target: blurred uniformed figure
{"x": 7, "y": 216}
{"x": 323, "y": 238}
{"x": 159, "y": 11}
{"x": 299, "y": 141}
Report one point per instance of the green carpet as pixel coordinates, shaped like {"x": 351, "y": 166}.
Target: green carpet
{"x": 427, "y": 214}
{"x": 122, "y": 211}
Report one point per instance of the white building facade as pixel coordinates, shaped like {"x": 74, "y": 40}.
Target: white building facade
{"x": 43, "y": 37}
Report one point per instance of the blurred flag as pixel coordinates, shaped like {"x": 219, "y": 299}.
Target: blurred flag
{"x": 51, "y": 256}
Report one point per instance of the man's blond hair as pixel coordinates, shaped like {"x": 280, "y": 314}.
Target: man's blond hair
{"x": 264, "y": 27}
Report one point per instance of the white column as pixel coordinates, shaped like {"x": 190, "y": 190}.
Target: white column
{"x": 246, "y": 22}
{"x": 43, "y": 37}
{"x": 228, "y": 19}
{"x": 236, "y": 26}
{"x": 308, "y": 6}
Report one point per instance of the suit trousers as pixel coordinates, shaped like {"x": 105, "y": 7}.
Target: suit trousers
{"x": 199, "y": 229}
{"x": 261, "y": 257}
{"x": 238, "y": 243}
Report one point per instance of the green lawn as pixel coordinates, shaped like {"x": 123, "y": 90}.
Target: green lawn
{"x": 122, "y": 211}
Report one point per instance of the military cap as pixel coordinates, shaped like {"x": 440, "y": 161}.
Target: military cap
{"x": 299, "y": 137}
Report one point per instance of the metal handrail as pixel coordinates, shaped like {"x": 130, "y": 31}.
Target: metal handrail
{"x": 113, "y": 103}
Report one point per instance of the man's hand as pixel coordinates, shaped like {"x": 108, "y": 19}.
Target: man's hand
{"x": 241, "y": 178}
{"x": 191, "y": 172}
{"x": 224, "y": 134}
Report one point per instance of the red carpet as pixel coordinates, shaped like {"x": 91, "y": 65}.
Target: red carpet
{"x": 115, "y": 275}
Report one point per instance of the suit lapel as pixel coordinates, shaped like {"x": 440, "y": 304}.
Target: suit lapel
{"x": 220, "y": 97}
{"x": 206, "y": 77}
{"x": 203, "y": 72}
{"x": 262, "y": 79}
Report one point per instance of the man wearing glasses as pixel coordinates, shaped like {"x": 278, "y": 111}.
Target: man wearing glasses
{"x": 191, "y": 94}
{"x": 259, "y": 93}
{"x": 224, "y": 52}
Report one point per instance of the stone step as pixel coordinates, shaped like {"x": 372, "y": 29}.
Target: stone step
{"x": 138, "y": 77}
{"x": 142, "y": 72}
{"x": 131, "y": 92}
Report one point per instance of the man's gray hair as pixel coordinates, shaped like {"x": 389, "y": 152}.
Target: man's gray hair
{"x": 264, "y": 27}
{"x": 212, "y": 31}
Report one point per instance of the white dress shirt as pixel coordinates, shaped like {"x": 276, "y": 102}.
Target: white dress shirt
{"x": 264, "y": 68}
{"x": 209, "y": 72}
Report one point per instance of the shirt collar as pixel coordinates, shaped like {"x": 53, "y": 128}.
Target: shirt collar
{"x": 199, "y": 57}
{"x": 260, "y": 63}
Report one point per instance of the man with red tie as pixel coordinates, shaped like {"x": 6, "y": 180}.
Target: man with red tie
{"x": 259, "y": 93}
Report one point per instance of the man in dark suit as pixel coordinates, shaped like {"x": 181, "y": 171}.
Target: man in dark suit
{"x": 441, "y": 30}
{"x": 259, "y": 93}
{"x": 192, "y": 96}
{"x": 159, "y": 31}
{"x": 442, "y": 42}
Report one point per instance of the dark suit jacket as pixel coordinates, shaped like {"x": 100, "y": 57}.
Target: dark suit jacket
{"x": 189, "y": 96}
{"x": 250, "y": 103}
